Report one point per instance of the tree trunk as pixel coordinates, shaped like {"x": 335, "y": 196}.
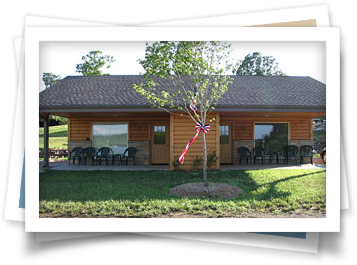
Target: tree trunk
{"x": 204, "y": 160}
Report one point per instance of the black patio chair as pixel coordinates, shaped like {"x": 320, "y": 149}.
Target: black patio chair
{"x": 306, "y": 151}
{"x": 130, "y": 152}
{"x": 90, "y": 152}
{"x": 270, "y": 154}
{"x": 259, "y": 152}
{"x": 75, "y": 153}
{"x": 104, "y": 153}
{"x": 244, "y": 153}
{"x": 289, "y": 151}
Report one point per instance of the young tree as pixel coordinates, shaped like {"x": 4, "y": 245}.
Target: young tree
{"x": 49, "y": 79}
{"x": 196, "y": 71}
{"x": 257, "y": 64}
{"x": 94, "y": 61}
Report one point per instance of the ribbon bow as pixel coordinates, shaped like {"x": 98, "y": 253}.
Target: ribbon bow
{"x": 199, "y": 127}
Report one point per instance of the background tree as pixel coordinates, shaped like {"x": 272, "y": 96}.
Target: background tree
{"x": 196, "y": 71}
{"x": 94, "y": 61}
{"x": 257, "y": 64}
{"x": 49, "y": 79}
{"x": 54, "y": 120}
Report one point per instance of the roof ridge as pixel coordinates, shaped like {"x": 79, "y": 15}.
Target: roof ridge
{"x": 261, "y": 76}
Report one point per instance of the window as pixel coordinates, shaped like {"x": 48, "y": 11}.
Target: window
{"x": 160, "y": 134}
{"x": 271, "y": 136}
{"x": 114, "y": 136}
{"x": 224, "y": 134}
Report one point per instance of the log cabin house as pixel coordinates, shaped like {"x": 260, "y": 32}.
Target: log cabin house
{"x": 256, "y": 110}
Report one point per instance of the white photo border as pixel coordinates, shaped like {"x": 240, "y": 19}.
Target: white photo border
{"x": 36, "y": 224}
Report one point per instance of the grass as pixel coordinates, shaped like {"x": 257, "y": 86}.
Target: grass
{"x": 58, "y": 136}
{"x": 144, "y": 194}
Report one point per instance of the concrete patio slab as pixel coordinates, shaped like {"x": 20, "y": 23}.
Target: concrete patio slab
{"x": 63, "y": 165}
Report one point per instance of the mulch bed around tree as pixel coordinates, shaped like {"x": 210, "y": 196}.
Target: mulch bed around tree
{"x": 214, "y": 190}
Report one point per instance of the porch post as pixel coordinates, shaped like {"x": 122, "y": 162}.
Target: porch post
{"x": 46, "y": 150}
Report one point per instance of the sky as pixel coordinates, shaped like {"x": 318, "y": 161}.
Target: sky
{"x": 300, "y": 58}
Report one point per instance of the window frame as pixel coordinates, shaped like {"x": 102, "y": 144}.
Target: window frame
{"x": 161, "y": 131}
{"x": 274, "y": 122}
{"x": 111, "y": 123}
{"x": 229, "y": 133}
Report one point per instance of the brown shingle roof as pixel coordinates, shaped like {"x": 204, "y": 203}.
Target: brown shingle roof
{"x": 245, "y": 91}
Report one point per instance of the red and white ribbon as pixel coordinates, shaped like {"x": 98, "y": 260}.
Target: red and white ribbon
{"x": 199, "y": 128}
{"x": 193, "y": 104}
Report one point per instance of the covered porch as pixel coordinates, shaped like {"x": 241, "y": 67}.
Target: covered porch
{"x": 147, "y": 132}
{"x": 160, "y": 137}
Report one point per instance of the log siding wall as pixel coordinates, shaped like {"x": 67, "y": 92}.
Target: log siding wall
{"x": 139, "y": 133}
{"x": 243, "y": 128}
{"x": 80, "y": 129}
{"x": 183, "y": 130}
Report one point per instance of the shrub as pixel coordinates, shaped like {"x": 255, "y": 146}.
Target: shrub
{"x": 196, "y": 162}
{"x": 211, "y": 159}
{"x": 175, "y": 164}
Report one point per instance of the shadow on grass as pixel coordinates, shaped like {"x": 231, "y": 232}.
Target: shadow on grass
{"x": 80, "y": 186}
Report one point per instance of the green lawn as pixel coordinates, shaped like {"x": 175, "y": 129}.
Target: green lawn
{"x": 269, "y": 193}
{"x": 58, "y": 136}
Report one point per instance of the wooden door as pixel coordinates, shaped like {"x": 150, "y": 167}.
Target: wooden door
{"x": 160, "y": 147}
{"x": 225, "y": 139}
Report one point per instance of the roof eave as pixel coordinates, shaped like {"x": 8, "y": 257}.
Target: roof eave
{"x": 132, "y": 108}
{"x": 272, "y": 108}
